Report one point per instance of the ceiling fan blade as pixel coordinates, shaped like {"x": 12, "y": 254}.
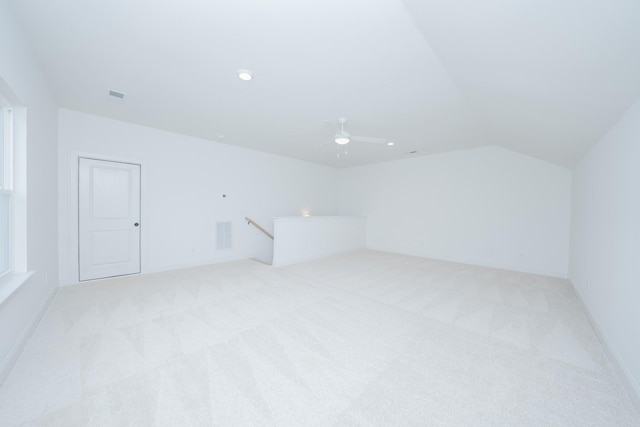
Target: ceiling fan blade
{"x": 368, "y": 139}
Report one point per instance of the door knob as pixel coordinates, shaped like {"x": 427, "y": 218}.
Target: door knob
{"x": 136, "y": 224}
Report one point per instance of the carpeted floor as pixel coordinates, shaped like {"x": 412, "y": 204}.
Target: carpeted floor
{"x": 364, "y": 339}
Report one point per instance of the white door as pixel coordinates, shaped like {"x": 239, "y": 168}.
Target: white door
{"x": 108, "y": 218}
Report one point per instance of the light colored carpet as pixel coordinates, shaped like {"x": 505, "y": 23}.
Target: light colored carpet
{"x": 369, "y": 338}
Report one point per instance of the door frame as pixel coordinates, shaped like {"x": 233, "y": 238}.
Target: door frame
{"x": 70, "y": 214}
{"x": 138, "y": 218}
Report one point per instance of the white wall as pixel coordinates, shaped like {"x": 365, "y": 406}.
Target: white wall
{"x": 183, "y": 180}
{"x": 605, "y": 239}
{"x": 487, "y": 206}
{"x": 19, "y": 74}
{"x": 300, "y": 239}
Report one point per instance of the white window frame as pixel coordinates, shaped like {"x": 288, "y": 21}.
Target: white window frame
{"x": 6, "y": 181}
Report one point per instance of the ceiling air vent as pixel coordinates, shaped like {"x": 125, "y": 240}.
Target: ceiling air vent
{"x": 116, "y": 94}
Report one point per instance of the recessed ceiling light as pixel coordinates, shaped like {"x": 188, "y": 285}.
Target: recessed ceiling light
{"x": 245, "y": 75}
{"x": 391, "y": 143}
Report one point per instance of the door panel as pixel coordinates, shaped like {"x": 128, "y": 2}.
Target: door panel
{"x": 110, "y": 247}
{"x": 109, "y": 218}
{"x": 113, "y": 187}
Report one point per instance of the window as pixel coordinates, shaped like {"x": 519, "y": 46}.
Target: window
{"x": 6, "y": 169}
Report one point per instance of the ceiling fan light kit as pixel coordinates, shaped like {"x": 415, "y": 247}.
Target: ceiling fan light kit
{"x": 342, "y": 138}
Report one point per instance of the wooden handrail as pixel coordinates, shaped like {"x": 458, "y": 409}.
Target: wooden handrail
{"x": 256, "y": 225}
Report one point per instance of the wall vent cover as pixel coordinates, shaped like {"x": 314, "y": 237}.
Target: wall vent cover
{"x": 223, "y": 235}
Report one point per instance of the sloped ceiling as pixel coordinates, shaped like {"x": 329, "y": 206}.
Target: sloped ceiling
{"x": 543, "y": 78}
{"x": 546, "y": 78}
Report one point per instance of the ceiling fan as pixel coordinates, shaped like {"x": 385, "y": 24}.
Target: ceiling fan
{"x": 342, "y": 137}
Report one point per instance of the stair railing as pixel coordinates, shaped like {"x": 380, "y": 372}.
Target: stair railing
{"x": 256, "y": 225}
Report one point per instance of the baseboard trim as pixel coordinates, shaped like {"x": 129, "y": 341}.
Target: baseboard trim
{"x": 622, "y": 371}
{"x": 12, "y": 357}
{"x": 171, "y": 267}
{"x": 515, "y": 268}
{"x": 278, "y": 263}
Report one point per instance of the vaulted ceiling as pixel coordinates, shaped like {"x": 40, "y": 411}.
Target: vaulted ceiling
{"x": 545, "y": 78}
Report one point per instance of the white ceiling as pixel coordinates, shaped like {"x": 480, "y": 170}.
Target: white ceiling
{"x": 545, "y": 78}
